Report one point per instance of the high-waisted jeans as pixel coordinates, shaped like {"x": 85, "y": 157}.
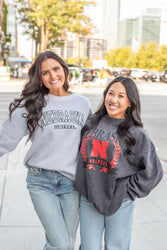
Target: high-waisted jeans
{"x": 56, "y": 203}
{"x": 117, "y": 227}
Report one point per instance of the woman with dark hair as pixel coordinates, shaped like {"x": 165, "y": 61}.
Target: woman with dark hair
{"x": 117, "y": 163}
{"x": 52, "y": 117}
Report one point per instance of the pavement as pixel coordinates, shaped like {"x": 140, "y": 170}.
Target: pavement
{"x": 20, "y": 228}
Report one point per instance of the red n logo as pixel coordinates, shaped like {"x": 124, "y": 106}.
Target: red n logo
{"x": 99, "y": 149}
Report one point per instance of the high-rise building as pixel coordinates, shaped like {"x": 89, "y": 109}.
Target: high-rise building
{"x": 150, "y": 25}
{"x": 111, "y": 16}
{"x": 125, "y": 33}
{"x": 95, "y": 48}
{"x": 163, "y": 33}
{"x": 140, "y": 30}
{"x": 80, "y": 47}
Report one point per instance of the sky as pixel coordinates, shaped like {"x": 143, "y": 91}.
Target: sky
{"x": 130, "y": 8}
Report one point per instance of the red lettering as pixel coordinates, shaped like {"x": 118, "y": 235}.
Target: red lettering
{"x": 89, "y": 166}
{"x": 99, "y": 149}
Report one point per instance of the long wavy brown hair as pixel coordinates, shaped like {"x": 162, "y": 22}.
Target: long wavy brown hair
{"x": 132, "y": 115}
{"x": 33, "y": 95}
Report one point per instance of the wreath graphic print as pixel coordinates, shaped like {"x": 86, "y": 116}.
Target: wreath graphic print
{"x": 98, "y": 155}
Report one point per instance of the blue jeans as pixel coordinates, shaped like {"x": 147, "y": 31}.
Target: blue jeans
{"x": 117, "y": 227}
{"x": 57, "y": 206}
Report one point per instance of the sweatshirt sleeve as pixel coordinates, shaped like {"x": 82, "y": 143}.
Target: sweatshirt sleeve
{"x": 149, "y": 167}
{"x": 12, "y": 131}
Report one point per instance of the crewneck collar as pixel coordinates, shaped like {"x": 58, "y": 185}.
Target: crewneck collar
{"x": 51, "y": 97}
{"x": 114, "y": 121}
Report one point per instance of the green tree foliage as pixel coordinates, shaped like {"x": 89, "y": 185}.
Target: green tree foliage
{"x": 163, "y": 58}
{"x": 82, "y": 62}
{"x": 111, "y": 57}
{"x": 47, "y": 21}
{"x": 120, "y": 57}
{"x": 150, "y": 56}
{"x": 4, "y": 23}
{"x": 72, "y": 61}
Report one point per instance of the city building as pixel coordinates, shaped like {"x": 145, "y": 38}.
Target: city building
{"x": 96, "y": 48}
{"x": 140, "y": 30}
{"x": 125, "y": 33}
{"x": 151, "y": 22}
{"x": 110, "y": 20}
{"x": 163, "y": 33}
{"x": 82, "y": 46}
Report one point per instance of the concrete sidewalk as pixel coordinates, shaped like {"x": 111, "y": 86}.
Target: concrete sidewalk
{"x": 20, "y": 229}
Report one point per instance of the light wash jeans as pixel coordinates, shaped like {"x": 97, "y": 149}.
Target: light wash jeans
{"x": 57, "y": 206}
{"x": 117, "y": 227}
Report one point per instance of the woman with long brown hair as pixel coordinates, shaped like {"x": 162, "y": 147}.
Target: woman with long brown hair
{"x": 52, "y": 118}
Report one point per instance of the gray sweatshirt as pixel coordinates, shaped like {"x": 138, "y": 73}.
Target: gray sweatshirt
{"x": 55, "y": 145}
{"x": 106, "y": 174}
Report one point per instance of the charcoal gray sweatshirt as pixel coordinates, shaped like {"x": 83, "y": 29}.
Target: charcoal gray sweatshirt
{"x": 55, "y": 145}
{"x": 106, "y": 174}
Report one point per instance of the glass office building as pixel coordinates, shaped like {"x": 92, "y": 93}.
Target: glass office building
{"x": 141, "y": 30}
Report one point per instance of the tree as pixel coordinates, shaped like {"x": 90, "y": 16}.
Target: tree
{"x": 48, "y": 21}
{"x": 163, "y": 58}
{"x": 148, "y": 56}
{"x": 82, "y": 62}
{"x": 120, "y": 57}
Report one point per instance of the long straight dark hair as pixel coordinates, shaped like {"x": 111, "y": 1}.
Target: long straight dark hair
{"x": 33, "y": 94}
{"x": 132, "y": 115}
